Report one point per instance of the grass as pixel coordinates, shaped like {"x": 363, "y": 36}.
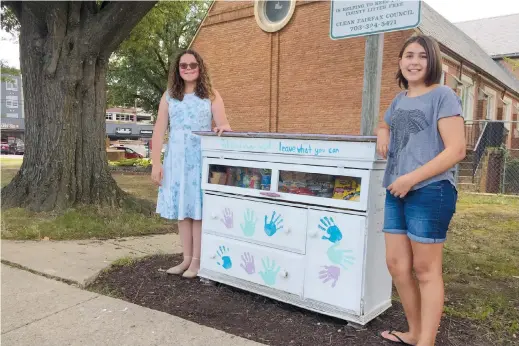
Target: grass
{"x": 9, "y": 168}
{"x": 83, "y": 222}
{"x": 481, "y": 263}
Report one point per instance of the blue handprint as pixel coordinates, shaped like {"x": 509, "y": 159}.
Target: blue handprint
{"x": 225, "y": 261}
{"x": 274, "y": 225}
{"x": 339, "y": 257}
{"x": 269, "y": 273}
{"x": 329, "y": 226}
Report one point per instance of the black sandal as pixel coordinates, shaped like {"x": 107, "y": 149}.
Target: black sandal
{"x": 400, "y": 341}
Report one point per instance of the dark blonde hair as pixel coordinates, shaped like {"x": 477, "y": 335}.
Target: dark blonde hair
{"x": 176, "y": 84}
{"x": 434, "y": 60}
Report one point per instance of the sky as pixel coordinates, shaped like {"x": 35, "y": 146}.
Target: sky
{"x": 453, "y": 10}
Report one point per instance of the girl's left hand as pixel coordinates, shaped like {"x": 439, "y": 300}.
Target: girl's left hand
{"x": 221, "y": 129}
{"x": 401, "y": 186}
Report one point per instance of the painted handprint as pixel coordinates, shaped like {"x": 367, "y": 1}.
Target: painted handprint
{"x": 249, "y": 225}
{"x": 248, "y": 263}
{"x": 274, "y": 225}
{"x": 330, "y": 273}
{"x": 225, "y": 260}
{"x": 340, "y": 257}
{"x": 270, "y": 272}
{"x": 227, "y": 218}
{"x": 329, "y": 226}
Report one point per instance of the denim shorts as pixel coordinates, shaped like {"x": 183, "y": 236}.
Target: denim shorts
{"x": 423, "y": 214}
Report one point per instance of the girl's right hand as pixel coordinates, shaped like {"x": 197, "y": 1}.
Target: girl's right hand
{"x": 383, "y": 142}
{"x": 157, "y": 173}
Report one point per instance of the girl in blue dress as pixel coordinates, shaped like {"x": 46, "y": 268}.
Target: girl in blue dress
{"x": 190, "y": 104}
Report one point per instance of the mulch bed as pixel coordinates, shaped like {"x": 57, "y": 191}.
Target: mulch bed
{"x": 255, "y": 317}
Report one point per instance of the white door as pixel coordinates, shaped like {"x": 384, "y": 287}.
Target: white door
{"x": 265, "y": 266}
{"x": 269, "y": 224}
{"x": 335, "y": 259}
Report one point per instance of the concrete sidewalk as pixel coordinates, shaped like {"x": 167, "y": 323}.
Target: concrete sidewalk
{"x": 41, "y": 311}
{"x": 81, "y": 261}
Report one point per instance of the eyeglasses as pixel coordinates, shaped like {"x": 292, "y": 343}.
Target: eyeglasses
{"x": 192, "y": 65}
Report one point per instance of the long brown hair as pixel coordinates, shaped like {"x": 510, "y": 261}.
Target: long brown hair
{"x": 434, "y": 60}
{"x": 176, "y": 84}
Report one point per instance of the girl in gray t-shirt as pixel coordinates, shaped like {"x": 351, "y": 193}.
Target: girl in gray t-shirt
{"x": 423, "y": 138}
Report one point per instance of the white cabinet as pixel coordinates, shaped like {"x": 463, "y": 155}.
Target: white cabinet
{"x": 334, "y": 259}
{"x": 297, "y": 218}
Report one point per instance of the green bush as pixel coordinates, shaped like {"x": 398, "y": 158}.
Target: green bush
{"x": 512, "y": 176}
{"x": 131, "y": 163}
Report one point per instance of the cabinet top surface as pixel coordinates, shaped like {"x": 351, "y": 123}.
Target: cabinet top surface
{"x": 321, "y": 137}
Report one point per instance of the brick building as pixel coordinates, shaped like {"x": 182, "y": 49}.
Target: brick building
{"x": 281, "y": 71}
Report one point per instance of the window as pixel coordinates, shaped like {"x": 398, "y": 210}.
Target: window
{"x": 491, "y": 103}
{"x": 272, "y": 15}
{"x": 11, "y": 101}
{"x": 467, "y": 97}
{"x": 507, "y": 112}
{"x": 11, "y": 84}
{"x": 11, "y": 115}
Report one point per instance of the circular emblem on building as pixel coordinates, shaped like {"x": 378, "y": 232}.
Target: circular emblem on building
{"x": 273, "y": 15}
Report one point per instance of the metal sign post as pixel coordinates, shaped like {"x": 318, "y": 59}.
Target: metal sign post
{"x": 372, "y": 19}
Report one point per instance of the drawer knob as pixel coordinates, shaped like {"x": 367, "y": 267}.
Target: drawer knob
{"x": 283, "y": 273}
{"x": 212, "y": 257}
{"x": 288, "y": 230}
{"x": 314, "y": 234}
{"x": 214, "y": 216}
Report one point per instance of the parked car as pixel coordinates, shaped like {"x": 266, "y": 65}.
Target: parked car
{"x": 128, "y": 152}
{"x": 19, "y": 148}
{"x": 5, "y": 148}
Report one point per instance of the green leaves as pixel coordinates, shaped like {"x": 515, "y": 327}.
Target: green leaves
{"x": 138, "y": 70}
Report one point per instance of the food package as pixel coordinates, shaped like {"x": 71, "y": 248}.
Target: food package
{"x": 347, "y": 188}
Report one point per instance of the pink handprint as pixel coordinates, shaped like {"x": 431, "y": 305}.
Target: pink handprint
{"x": 248, "y": 263}
{"x": 227, "y": 219}
{"x": 330, "y": 273}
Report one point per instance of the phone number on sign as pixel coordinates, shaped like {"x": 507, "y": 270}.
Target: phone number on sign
{"x": 373, "y": 26}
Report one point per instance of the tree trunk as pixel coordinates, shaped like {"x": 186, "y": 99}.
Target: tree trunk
{"x": 63, "y": 67}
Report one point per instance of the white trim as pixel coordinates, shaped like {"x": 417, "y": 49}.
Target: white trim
{"x": 507, "y": 116}
{"x": 491, "y": 103}
{"x": 467, "y": 96}
{"x": 449, "y": 58}
{"x": 264, "y": 23}
{"x": 466, "y": 79}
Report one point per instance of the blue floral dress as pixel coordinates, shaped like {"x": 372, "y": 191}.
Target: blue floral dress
{"x": 180, "y": 195}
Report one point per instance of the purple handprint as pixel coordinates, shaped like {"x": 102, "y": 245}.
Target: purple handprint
{"x": 248, "y": 263}
{"x": 330, "y": 273}
{"x": 227, "y": 219}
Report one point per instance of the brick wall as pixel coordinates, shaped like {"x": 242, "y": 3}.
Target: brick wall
{"x": 296, "y": 79}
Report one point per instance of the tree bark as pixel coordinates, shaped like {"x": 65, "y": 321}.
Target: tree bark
{"x": 64, "y": 50}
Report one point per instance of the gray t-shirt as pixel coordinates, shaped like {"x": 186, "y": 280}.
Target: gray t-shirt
{"x": 414, "y": 136}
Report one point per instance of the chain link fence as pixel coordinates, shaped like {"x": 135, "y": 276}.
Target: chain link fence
{"x": 492, "y": 161}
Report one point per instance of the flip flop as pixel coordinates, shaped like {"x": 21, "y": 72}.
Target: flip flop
{"x": 400, "y": 341}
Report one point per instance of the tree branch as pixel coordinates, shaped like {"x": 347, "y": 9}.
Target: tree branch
{"x": 161, "y": 61}
{"x": 153, "y": 83}
{"x": 114, "y": 23}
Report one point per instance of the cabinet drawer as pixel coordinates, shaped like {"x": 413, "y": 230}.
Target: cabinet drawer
{"x": 265, "y": 266}
{"x": 335, "y": 259}
{"x": 269, "y": 224}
